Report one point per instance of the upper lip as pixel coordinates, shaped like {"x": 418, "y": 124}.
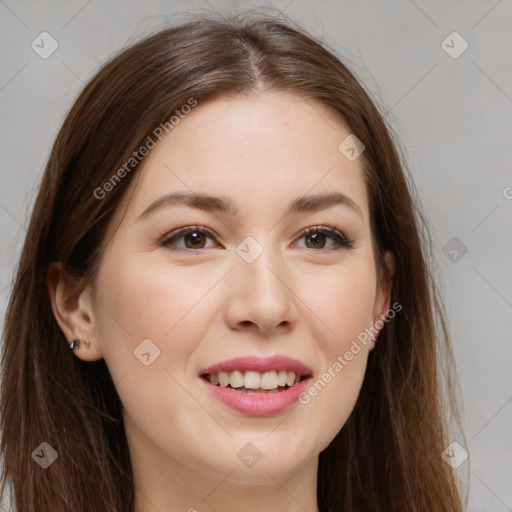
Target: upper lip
{"x": 259, "y": 364}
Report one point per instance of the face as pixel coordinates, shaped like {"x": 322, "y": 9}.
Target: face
{"x": 183, "y": 287}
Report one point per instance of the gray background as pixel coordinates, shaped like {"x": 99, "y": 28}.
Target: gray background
{"x": 453, "y": 117}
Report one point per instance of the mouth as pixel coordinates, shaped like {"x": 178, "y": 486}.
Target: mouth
{"x": 255, "y": 383}
{"x": 255, "y": 386}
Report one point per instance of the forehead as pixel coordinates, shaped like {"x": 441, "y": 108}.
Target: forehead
{"x": 261, "y": 151}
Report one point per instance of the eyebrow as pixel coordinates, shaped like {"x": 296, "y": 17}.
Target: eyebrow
{"x": 225, "y": 206}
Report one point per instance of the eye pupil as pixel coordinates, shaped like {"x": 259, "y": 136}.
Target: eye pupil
{"x": 194, "y": 235}
{"x": 316, "y": 239}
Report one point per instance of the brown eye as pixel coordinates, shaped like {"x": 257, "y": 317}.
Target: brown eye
{"x": 318, "y": 236}
{"x": 195, "y": 240}
{"x": 317, "y": 240}
{"x": 194, "y": 237}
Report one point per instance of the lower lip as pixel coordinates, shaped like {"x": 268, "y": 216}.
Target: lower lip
{"x": 258, "y": 405}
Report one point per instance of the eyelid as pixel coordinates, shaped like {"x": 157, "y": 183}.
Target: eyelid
{"x": 342, "y": 241}
{"x": 179, "y": 232}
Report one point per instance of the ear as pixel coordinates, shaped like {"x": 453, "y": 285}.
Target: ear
{"x": 383, "y": 295}
{"x": 72, "y": 308}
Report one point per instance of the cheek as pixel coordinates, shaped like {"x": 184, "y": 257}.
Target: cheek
{"x": 150, "y": 320}
{"x": 345, "y": 300}
{"x": 346, "y": 303}
{"x": 140, "y": 302}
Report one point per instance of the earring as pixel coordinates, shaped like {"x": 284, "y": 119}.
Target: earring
{"x": 75, "y": 344}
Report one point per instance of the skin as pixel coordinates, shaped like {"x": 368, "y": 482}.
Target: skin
{"x": 302, "y": 297}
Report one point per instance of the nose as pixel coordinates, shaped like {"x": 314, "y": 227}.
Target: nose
{"x": 262, "y": 295}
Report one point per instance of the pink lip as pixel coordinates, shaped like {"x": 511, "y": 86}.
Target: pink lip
{"x": 259, "y": 364}
{"x": 257, "y": 405}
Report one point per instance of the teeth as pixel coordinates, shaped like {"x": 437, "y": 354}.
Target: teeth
{"x": 258, "y": 391}
{"x": 269, "y": 380}
{"x": 282, "y": 377}
{"x": 223, "y": 379}
{"x": 236, "y": 379}
{"x": 252, "y": 382}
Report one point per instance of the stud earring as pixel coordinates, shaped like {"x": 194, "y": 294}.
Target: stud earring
{"x": 75, "y": 344}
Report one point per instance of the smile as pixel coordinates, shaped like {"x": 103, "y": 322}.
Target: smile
{"x": 257, "y": 386}
{"x": 252, "y": 382}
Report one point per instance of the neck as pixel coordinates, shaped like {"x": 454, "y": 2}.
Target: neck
{"x": 175, "y": 487}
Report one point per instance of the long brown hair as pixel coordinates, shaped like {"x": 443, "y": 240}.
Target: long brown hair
{"x": 388, "y": 454}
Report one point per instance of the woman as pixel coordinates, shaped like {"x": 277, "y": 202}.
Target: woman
{"x": 224, "y": 298}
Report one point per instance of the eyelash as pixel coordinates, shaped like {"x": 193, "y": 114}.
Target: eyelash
{"x": 341, "y": 240}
